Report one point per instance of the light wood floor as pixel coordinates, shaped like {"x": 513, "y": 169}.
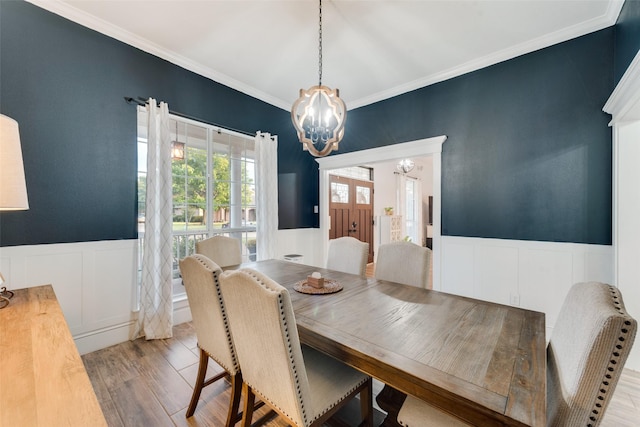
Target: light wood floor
{"x": 149, "y": 383}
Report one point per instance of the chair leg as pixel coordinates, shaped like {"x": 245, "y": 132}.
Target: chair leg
{"x": 247, "y": 412}
{"x": 366, "y": 404}
{"x": 197, "y": 388}
{"x": 234, "y": 404}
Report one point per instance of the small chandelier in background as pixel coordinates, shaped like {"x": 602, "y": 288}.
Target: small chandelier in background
{"x": 319, "y": 114}
{"x": 405, "y": 165}
{"x": 177, "y": 150}
{"x": 177, "y": 147}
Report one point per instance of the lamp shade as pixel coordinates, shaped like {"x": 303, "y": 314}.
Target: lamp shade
{"x": 13, "y": 189}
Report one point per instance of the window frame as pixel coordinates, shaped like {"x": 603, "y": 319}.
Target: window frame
{"x": 184, "y": 239}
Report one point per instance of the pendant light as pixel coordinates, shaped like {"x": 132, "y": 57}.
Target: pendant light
{"x": 405, "y": 165}
{"x": 319, "y": 114}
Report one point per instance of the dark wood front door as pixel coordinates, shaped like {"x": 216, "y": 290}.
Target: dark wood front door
{"x": 351, "y": 209}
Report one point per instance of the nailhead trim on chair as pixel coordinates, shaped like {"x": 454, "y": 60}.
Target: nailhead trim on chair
{"x": 289, "y": 350}
{"x": 596, "y": 412}
{"x": 227, "y": 330}
{"x": 291, "y": 361}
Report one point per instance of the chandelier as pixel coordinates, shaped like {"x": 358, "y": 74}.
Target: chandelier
{"x": 319, "y": 114}
{"x": 405, "y": 165}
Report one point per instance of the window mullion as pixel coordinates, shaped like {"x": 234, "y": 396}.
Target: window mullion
{"x": 208, "y": 198}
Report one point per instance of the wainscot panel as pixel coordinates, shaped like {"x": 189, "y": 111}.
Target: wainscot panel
{"x": 528, "y": 274}
{"x": 93, "y": 281}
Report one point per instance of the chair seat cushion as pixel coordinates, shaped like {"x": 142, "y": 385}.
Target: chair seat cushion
{"x": 330, "y": 381}
{"x": 417, "y": 413}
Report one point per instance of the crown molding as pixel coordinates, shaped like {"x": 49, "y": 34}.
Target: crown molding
{"x": 80, "y": 17}
{"x": 607, "y": 20}
{"x": 624, "y": 102}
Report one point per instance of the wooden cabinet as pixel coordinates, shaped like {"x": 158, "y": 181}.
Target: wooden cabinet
{"x": 390, "y": 228}
{"x": 42, "y": 381}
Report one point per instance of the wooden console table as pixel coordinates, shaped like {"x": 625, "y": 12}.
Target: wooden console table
{"x": 42, "y": 378}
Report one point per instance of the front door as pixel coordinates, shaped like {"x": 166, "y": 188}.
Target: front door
{"x": 351, "y": 209}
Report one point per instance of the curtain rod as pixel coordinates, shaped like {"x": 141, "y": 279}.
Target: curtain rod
{"x": 407, "y": 175}
{"x": 143, "y": 102}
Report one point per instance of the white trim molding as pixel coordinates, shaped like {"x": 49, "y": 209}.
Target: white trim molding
{"x": 624, "y": 107}
{"x": 95, "y": 283}
{"x": 529, "y": 274}
{"x": 560, "y": 36}
{"x": 624, "y": 102}
{"x": 419, "y": 148}
{"x": 81, "y": 17}
{"x": 107, "y": 28}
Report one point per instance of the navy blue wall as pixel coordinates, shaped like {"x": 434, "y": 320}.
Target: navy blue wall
{"x": 65, "y": 84}
{"x": 627, "y": 41}
{"x": 528, "y": 154}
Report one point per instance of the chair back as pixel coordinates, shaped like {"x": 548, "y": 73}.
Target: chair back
{"x": 267, "y": 343}
{"x": 404, "y": 262}
{"x": 585, "y": 356}
{"x": 200, "y": 276}
{"x": 224, "y": 251}
{"x": 349, "y": 255}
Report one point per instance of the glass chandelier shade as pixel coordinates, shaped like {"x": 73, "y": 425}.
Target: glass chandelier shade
{"x": 319, "y": 116}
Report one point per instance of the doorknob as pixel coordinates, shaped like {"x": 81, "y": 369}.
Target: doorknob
{"x": 353, "y": 228}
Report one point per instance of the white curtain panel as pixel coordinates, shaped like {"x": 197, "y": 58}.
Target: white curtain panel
{"x": 418, "y": 206}
{"x": 401, "y": 200}
{"x": 266, "y": 195}
{"x": 155, "y": 319}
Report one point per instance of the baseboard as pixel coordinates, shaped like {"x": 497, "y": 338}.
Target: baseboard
{"x": 116, "y": 334}
{"x": 181, "y": 311}
{"x": 103, "y": 338}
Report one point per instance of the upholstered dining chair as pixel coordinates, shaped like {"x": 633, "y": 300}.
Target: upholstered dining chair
{"x": 302, "y": 385}
{"x": 200, "y": 277}
{"x": 348, "y": 254}
{"x": 404, "y": 262}
{"x": 224, "y": 251}
{"x": 589, "y": 346}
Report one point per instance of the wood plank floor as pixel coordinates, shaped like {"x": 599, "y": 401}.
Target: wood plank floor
{"x": 149, "y": 383}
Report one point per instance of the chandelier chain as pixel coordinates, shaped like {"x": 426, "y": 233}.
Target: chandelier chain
{"x": 320, "y": 45}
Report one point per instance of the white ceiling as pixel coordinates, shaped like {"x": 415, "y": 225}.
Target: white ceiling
{"x": 372, "y": 50}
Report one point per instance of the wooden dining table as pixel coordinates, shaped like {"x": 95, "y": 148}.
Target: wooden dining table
{"x": 480, "y": 361}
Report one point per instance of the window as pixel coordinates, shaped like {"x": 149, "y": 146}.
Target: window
{"x": 412, "y": 200}
{"x": 214, "y": 184}
{"x": 358, "y": 172}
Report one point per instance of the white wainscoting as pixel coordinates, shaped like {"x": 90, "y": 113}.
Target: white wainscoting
{"x": 93, "y": 281}
{"x": 527, "y": 274}
{"x": 303, "y": 241}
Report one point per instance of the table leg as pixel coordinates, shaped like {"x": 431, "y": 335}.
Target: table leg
{"x": 390, "y": 400}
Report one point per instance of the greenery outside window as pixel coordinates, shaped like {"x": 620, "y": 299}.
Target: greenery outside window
{"x": 214, "y": 183}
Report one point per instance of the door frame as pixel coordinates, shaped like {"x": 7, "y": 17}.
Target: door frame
{"x": 624, "y": 107}
{"x": 418, "y": 148}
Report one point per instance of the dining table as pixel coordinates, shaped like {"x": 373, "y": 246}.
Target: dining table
{"x": 480, "y": 361}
